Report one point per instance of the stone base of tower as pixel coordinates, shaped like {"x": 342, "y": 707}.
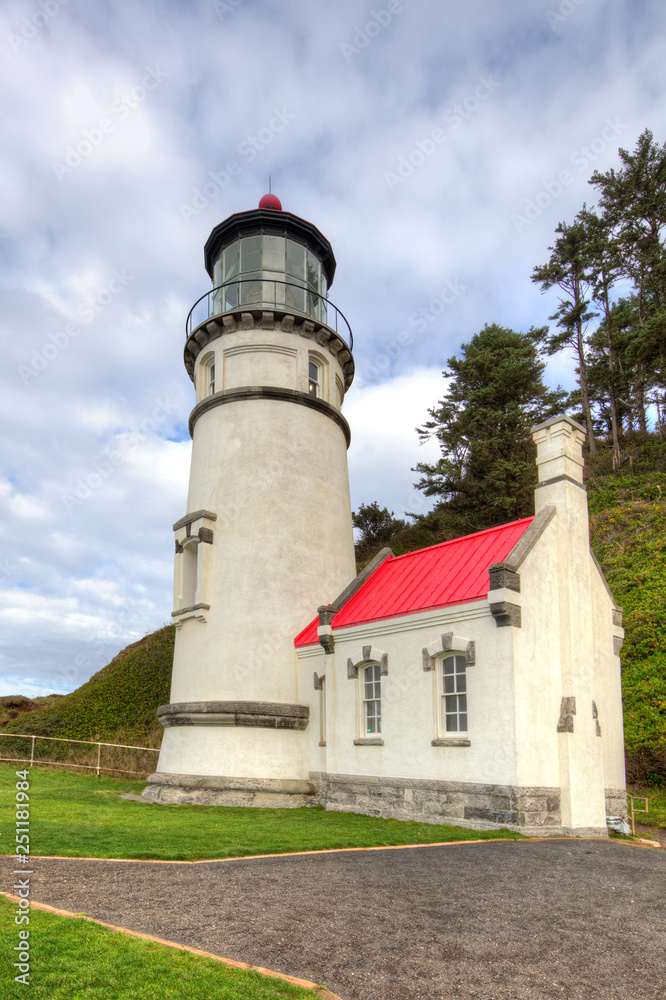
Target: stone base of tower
{"x": 212, "y": 790}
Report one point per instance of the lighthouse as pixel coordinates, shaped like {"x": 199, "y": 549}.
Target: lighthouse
{"x": 267, "y": 534}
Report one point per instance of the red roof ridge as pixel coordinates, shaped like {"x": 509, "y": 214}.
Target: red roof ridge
{"x": 461, "y": 538}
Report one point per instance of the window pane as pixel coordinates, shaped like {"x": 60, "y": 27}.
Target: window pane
{"x": 250, "y": 254}
{"x": 230, "y": 262}
{"x": 463, "y": 723}
{"x": 452, "y": 723}
{"x": 314, "y": 371}
{"x": 449, "y": 685}
{"x": 448, "y": 666}
{"x": 451, "y": 703}
{"x": 295, "y": 260}
{"x": 462, "y": 703}
{"x": 460, "y": 664}
{"x": 461, "y": 682}
{"x": 313, "y": 269}
{"x": 273, "y": 253}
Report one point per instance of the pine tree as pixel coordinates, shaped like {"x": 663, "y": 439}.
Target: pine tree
{"x": 568, "y": 268}
{"x": 496, "y": 393}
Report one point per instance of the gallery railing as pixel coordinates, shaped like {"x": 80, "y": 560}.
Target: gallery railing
{"x": 269, "y": 293}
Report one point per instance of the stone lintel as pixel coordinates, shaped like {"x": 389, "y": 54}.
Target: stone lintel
{"x": 450, "y": 743}
{"x": 194, "y": 516}
{"x": 189, "y": 609}
{"x": 505, "y": 614}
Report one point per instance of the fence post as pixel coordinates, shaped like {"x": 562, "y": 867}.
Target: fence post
{"x": 32, "y": 751}
{"x": 99, "y": 752}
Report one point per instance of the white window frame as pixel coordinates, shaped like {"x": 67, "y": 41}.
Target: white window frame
{"x": 206, "y": 385}
{"x": 452, "y": 696}
{"x": 370, "y": 678}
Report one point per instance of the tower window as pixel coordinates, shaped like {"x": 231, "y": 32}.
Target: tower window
{"x": 372, "y": 699}
{"x": 211, "y": 378}
{"x": 454, "y": 695}
{"x": 314, "y": 379}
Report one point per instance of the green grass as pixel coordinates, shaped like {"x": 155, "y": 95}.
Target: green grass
{"x": 75, "y": 959}
{"x": 79, "y": 815}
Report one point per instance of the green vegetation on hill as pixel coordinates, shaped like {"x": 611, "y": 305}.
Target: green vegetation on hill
{"x": 117, "y": 704}
{"x": 628, "y": 528}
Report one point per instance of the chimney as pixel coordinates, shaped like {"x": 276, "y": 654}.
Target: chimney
{"x": 559, "y": 444}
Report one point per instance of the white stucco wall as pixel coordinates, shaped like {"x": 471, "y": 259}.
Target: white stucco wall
{"x": 537, "y": 671}
{"x": 274, "y": 472}
{"x": 608, "y": 683}
{"x": 409, "y": 701}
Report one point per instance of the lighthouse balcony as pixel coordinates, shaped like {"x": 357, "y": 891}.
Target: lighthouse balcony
{"x": 260, "y": 302}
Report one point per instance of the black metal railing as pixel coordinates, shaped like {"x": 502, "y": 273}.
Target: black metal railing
{"x": 268, "y": 293}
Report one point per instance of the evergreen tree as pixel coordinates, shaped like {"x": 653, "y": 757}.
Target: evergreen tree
{"x": 377, "y": 526}
{"x": 568, "y": 268}
{"x": 633, "y": 203}
{"x": 486, "y": 473}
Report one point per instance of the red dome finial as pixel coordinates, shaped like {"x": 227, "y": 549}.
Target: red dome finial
{"x": 271, "y": 201}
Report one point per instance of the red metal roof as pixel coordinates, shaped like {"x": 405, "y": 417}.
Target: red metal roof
{"x": 450, "y": 573}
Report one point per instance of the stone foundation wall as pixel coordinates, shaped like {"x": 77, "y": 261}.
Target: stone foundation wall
{"x": 483, "y": 807}
{"x": 616, "y": 802}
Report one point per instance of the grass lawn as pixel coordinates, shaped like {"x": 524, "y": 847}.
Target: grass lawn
{"x": 80, "y": 815}
{"x": 77, "y": 960}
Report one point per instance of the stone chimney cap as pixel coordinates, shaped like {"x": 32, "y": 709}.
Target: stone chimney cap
{"x": 559, "y": 444}
{"x": 558, "y": 420}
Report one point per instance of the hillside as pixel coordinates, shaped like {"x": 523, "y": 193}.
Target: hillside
{"x": 628, "y": 527}
{"x": 117, "y": 704}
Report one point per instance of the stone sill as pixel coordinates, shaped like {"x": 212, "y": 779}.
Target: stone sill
{"x": 369, "y": 743}
{"x": 451, "y": 743}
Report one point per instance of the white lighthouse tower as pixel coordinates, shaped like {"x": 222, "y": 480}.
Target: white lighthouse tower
{"x": 268, "y": 533}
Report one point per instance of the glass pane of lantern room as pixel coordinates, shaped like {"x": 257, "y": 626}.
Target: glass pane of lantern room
{"x": 250, "y": 254}
{"x": 295, "y": 261}
{"x": 313, "y": 271}
{"x": 272, "y": 266}
{"x": 294, "y": 297}
{"x": 250, "y": 266}
{"x": 273, "y": 254}
{"x": 229, "y": 272}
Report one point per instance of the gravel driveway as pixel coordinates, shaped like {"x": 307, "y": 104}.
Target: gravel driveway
{"x": 500, "y": 920}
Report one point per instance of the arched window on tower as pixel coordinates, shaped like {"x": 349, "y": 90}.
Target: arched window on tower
{"x": 314, "y": 378}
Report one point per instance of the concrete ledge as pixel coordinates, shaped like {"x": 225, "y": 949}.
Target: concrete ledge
{"x": 269, "y": 392}
{"x": 260, "y": 714}
{"x": 212, "y": 790}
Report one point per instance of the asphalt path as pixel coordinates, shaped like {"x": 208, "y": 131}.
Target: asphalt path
{"x": 499, "y": 920}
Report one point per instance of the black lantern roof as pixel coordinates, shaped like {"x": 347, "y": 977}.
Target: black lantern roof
{"x": 275, "y": 223}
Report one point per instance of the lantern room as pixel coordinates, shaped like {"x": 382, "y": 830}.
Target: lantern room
{"x": 269, "y": 259}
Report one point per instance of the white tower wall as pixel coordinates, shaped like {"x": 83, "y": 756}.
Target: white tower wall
{"x": 268, "y": 532}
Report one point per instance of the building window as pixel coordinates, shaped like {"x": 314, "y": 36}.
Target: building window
{"x": 207, "y": 376}
{"x": 314, "y": 379}
{"x": 372, "y": 700}
{"x": 453, "y": 698}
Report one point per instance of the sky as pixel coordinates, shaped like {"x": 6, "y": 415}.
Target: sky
{"x": 436, "y": 145}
